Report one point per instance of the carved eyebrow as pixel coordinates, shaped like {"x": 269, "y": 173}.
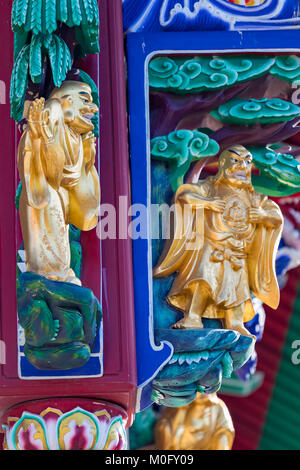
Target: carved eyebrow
{"x": 85, "y": 93}
{"x": 233, "y": 151}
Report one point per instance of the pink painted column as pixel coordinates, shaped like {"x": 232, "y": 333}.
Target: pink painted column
{"x": 29, "y": 405}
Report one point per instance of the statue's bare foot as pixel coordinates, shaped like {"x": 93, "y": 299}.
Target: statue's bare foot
{"x": 187, "y": 324}
{"x": 243, "y": 331}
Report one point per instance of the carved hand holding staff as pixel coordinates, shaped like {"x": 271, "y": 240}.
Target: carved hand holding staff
{"x": 225, "y": 249}
{"x": 60, "y": 184}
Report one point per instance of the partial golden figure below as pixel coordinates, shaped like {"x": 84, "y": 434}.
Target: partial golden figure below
{"x": 60, "y": 184}
{"x": 226, "y": 237}
{"x": 205, "y": 424}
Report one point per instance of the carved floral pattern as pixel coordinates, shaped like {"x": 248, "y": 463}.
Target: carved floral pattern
{"x": 77, "y": 429}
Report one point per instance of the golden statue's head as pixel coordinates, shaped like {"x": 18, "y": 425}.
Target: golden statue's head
{"x": 77, "y": 105}
{"x": 235, "y": 165}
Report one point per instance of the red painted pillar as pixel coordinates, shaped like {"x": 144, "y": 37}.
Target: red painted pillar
{"x": 107, "y": 270}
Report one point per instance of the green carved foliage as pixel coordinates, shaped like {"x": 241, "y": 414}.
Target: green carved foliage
{"x": 279, "y": 173}
{"x": 253, "y": 111}
{"x": 19, "y": 83}
{"x": 182, "y": 75}
{"x": 34, "y": 23}
{"x": 202, "y": 73}
{"x": 43, "y": 16}
{"x": 59, "y": 56}
{"x": 179, "y": 149}
{"x": 287, "y": 68}
{"x": 31, "y": 59}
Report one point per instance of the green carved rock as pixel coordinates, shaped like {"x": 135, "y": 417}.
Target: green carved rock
{"x": 253, "y": 111}
{"x": 141, "y": 433}
{"x": 203, "y": 73}
{"x": 179, "y": 149}
{"x": 60, "y": 320}
{"x": 76, "y": 250}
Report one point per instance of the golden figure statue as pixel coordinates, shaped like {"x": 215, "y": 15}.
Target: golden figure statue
{"x": 60, "y": 184}
{"x": 225, "y": 249}
{"x": 205, "y": 424}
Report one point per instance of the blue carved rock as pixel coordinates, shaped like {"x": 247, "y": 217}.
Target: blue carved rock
{"x": 200, "y": 361}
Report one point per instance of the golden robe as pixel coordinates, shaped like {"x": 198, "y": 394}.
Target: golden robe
{"x": 56, "y": 191}
{"x": 231, "y": 256}
{"x": 205, "y": 424}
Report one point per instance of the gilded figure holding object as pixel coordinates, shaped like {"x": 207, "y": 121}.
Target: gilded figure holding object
{"x": 225, "y": 250}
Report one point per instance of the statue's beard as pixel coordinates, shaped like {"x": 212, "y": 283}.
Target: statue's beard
{"x": 236, "y": 181}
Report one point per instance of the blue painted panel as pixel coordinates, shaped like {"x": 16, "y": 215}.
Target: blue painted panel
{"x": 141, "y": 48}
{"x": 197, "y": 15}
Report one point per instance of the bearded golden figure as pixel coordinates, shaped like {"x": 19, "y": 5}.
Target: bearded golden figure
{"x": 224, "y": 247}
{"x": 60, "y": 184}
{"x": 205, "y": 424}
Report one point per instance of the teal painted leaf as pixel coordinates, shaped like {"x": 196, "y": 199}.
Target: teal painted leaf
{"x": 62, "y": 10}
{"x": 179, "y": 149}
{"x": 41, "y": 16}
{"x": 19, "y": 13}
{"x": 36, "y": 59}
{"x": 87, "y": 8}
{"x": 74, "y": 13}
{"x": 49, "y": 17}
{"x": 19, "y": 81}
{"x": 252, "y": 111}
{"x": 60, "y": 58}
{"x": 36, "y": 16}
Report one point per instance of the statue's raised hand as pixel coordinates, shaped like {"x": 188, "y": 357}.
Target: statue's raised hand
{"x": 38, "y": 120}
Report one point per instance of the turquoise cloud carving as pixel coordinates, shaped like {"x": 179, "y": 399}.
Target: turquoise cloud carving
{"x": 204, "y": 73}
{"x": 287, "y": 68}
{"x": 179, "y": 149}
{"x": 252, "y": 111}
{"x": 279, "y": 173}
